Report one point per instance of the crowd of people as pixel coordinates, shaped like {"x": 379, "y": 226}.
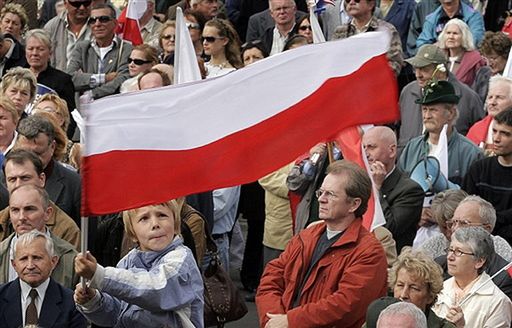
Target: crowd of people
{"x": 307, "y": 260}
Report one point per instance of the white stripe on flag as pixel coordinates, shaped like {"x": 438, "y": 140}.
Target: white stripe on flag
{"x": 251, "y": 95}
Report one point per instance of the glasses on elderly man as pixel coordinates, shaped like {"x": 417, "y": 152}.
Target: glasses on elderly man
{"x": 457, "y": 252}
{"x": 101, "y": 19}
{"x": 462, "y": 223}
{"x": 329, "y": 194}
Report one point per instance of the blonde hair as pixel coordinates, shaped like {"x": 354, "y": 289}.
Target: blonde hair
{"x": 60, "y": 104}
{"x": 22, "y": 77}
{"x": 18, "y": 10}
{"x": 9, "y": 107}
{"x": 130, "y": 214}
{"x": 421, "y": 266}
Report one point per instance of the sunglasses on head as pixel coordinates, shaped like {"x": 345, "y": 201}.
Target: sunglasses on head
{"x": 169, "y": 37}
{"x": 305, "y": 27}
{"x": 78, "y": 4}
{"x": 138, "y": 62}
{"x": 210, "y": 39}
{"x": 193, "y": 26}
{"x": 101, "y": 19}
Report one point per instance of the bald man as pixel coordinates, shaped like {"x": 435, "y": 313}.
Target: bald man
{"x": 401, "y": 198}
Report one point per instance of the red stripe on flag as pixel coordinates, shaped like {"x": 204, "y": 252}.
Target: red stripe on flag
{"x": 120, "y": 180}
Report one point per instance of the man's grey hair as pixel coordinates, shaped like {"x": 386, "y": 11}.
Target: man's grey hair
{"x": 479, "y": 241}
{"x": 406, "y": 309}
{"x": 497, "y": 79}
{"x": 486, "y": 211}
{"x": 31, "y": 126}
{"x": 29, "y": 237}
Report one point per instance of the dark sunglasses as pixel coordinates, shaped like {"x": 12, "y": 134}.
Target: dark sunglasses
{"x": 78, "y": 4}
{"x": 102, "y": 19}
{"x": 210, "y": 39}
{"x": 169, "y": 36}
{"x": 138, "y": 62}
{"x": 305, "y": 27}
{"x": 356, "y": 1}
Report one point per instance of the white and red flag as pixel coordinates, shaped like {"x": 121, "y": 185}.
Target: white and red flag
{"x": 158, "y": 144}
{"x": 128, "y": 28}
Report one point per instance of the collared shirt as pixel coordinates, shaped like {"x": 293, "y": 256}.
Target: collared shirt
{"x": 73, "y": 38}
{"x": 278, "y": 40}
{"x": 150, "y": 33}
{"x": 363, "y": 29}
{"x": 444, "y": 18}
{"x": 25, "y": 298}
{"x": 12, "y": 143}
{"x": 7, "y": 56}
{"x": 99, "y": 78}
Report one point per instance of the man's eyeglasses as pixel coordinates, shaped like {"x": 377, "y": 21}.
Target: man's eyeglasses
{"x": 193, "y": 26}
{"x": 457, "y": 252}
{"x": 305, "y": 27}
{"x": 329, "y": 194}
{"x": 169, "y": 37}
{"x": 210, "y": 39}
{"x": 356, "y": 1}
{"x": 78, "y": 4}
{"x": 462, "y": 223}
{"x": 137, "y": 61}
{"x": 101, "y": 19}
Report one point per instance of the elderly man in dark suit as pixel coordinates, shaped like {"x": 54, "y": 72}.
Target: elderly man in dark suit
{"x": 401, "y": 198}
{"x": 100, "y": 65}
{"x": 35, "y": 298}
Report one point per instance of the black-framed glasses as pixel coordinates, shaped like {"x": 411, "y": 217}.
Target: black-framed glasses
{"x": 356, "y": 1}
{"x": 211, "y": 39}
{"x": 329, "y": 194}
{"x": 101, "y": 19}
{"x": 305, "y": 27}
{"x": 193, "y": 26}
{"x": 137, "y": 61}
{"x": 457, "y": 252}
{"x": 78, "y": 4}
{"x": 169, "y": 37}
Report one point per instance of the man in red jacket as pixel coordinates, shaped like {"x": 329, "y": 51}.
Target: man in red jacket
{"x": 332, "y": 271}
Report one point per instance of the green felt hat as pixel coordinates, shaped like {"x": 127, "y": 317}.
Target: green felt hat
{"x": 436, "y": 92}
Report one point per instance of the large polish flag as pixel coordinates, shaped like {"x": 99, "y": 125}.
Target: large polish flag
{"x": 128, "y": 27}
{"x": 158, "y": 144}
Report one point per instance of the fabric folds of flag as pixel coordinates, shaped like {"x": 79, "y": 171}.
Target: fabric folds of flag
{"x": 128, "y": 28}
{"x": 147, "y": 147}
{"x": 186, "y": 68}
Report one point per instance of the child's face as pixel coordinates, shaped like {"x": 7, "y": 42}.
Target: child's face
{"x": 153, "y": 227}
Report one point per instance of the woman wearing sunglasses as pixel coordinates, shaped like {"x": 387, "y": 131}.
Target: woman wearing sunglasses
{"x": 303, "y": 27}
{"x": 221, "y": 43}
{"x": 142, "y": 58}
{"x": 195, "y": 23}
{"x": 166, "y": 41}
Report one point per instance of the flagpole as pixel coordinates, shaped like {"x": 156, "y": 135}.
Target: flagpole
{"x": 486, "y": 282}
{"x": 177, "y": 45}
{"x": 330, "y": 150}
{"x": 83, "y": 242}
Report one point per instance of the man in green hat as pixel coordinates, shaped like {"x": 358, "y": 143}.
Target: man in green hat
{"x": 439, "y": 107}
{"x": 430, "y": 63}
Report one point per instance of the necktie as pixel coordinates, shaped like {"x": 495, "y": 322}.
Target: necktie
{"x": 31, "y": 314}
